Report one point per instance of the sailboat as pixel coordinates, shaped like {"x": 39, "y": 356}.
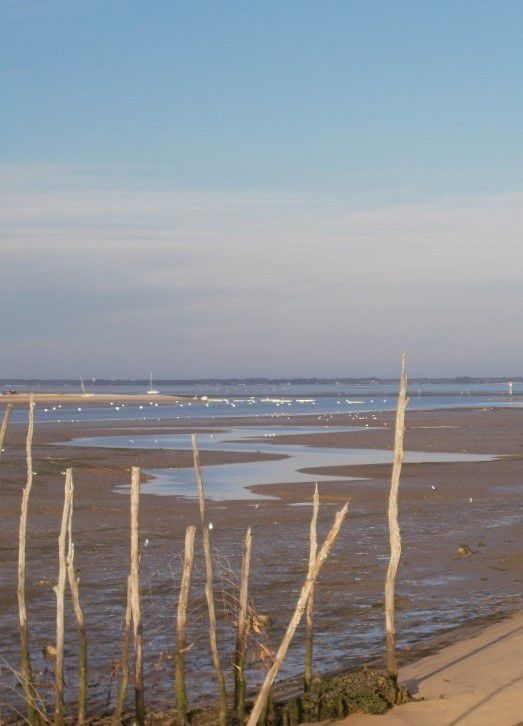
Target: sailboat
{"x": 152, "y": 391}
{"x": 84, "y": 392}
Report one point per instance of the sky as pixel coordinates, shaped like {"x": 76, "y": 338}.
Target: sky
{"x": 290, "y": 188}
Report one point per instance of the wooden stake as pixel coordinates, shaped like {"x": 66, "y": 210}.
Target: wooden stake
{"x": 74, "y": 583}
{"x": 59, "y": 590}
{"x": 209, "y": 594}
{"x": 126, "y": 642}
{"x": 310, "y": 602}
{"x": 27, "y": 677}
{"x": 394, "y": 529}
{"x": 3, "y": 427}
{"x": 242, "y": 634}
{"x": 181, "y": 623}
{"x": 261, "y": 699}
{"x": 135, "y": 596}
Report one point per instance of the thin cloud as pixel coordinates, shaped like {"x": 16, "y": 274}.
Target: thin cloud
{"x": 248, "y": 277}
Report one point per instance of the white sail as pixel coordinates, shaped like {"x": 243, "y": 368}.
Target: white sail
{"x": 152, "y": 391}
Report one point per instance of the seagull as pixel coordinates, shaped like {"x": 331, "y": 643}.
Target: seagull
{"x": 433, "y": 487}
{"x": 470, "y": 500}
{"x": 210, "y": 525}
{"x": 146, "y": 542}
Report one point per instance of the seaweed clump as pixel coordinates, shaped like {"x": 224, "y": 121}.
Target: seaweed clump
{"x": 363, "y": 690}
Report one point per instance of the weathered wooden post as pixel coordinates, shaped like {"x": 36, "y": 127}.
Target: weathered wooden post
{"x": 59, "y": 590}
{"x": 209, "y": 593}
{"x": 394, "y": 529}
{"x": 310, "y": 603}
{"x": 135, "y": 596}
{"x": 261, "y": 699}
{"x": 242, "y": 632}
{"x": 74, "y": 586}
{"x": 126, "y": 643}
{"x": 181, "y": 623}
{"x": 26, "y": 672}
{"x": 3, "y": 427}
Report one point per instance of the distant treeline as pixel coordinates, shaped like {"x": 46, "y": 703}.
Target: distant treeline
{"x": 464, "y": 380}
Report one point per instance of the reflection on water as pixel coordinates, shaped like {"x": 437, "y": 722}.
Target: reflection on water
{"x": 231, "y": 481}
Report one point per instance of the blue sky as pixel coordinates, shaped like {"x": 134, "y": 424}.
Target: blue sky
{"x": 260, "y": 188}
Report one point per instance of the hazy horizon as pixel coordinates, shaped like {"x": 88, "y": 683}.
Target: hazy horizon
{"x": 464, "y": 379}
{"x": 248, "y": 190}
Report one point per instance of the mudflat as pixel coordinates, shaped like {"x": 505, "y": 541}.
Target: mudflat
{"x": 442, "y": 506}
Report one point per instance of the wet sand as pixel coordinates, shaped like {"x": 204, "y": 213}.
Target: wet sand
{"x": 437, "y": 591}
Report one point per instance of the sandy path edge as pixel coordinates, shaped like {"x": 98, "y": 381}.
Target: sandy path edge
{"x": 473, "y": 682}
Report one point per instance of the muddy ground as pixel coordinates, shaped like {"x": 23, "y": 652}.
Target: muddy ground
{"x": 437, "y": 590}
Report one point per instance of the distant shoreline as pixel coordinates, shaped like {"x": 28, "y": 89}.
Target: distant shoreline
{"x": 90, "y": 398}
{"x": 363, "y": 380}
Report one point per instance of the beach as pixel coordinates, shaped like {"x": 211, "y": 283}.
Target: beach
{"x": 473, "y": 682}
{"x": 442, "y": 506}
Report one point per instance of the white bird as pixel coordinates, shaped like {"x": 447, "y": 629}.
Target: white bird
{"x": 210, "y": 525}
{"x": 433, "y": 486}
{"x": 470, "y": 500}
{"x": 146, "y": 542}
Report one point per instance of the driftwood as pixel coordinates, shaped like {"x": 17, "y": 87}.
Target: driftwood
{"x": 209, "y": 593}
{"x": 59, "y": 590}
{"x": 135, "y": 597}
{"x": 394, "y": 529}
{"x": 261, "y": 699}
{"x": 26, "y": 673}
{"x": 3, "y": 426}
{"x": 242, "y": 632}
{"x": 310, "y": 602}
{"x": 74, "y": 583}
{"x": 126, "y": 643}
{"x": 181, "y": 623}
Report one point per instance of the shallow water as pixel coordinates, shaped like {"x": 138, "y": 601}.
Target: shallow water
{"x": 269, "y": 400}
{"x": 232, "y": 481}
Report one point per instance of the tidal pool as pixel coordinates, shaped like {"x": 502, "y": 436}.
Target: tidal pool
{"x": 233, "y": 481}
